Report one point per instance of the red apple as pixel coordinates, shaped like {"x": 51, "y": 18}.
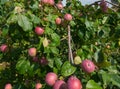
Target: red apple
{"x": 58, "y": 21}
{"x": 74, "y": 83}
{"x": 51, "y": 78}
{"x": 45, "y": 1}
{"x": 51, "y": 2}
{"x": 32, "y": 52}
{"x": 3, "y": 48}
{"x": 39, "y": 30}
{"x": 38, "y": 86}
{"x": 59, "y": 6}
{"x": 60, "y": 84}
{"x": 8, "y": 86}
{"x": 88, "y": 66}
{"x": 68, "y": 17}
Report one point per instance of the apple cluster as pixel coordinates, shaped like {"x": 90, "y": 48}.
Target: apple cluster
{"x": 52, "y": 80}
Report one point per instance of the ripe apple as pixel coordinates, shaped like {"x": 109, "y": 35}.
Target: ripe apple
{"x": 51, "y": 2}
{"x": 38, "y": 86}
{"x": 8, "y": 86}
{"x": 59, "y": 6}
{"x": 74, "y": 83}
{"x": 3, "y": 48}
{"x": 58, "y": 21}
{"x": 51, "y": 78}
{"x": 39, "y": 30}
{"x": 60, "y": 84}
{"x": 44, "y": 1}
{"x": 88, "y": 66}
{"x": 68, "y": 17}
{"x": 32, "y": 52}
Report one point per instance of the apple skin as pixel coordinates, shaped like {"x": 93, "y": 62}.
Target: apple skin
{"x": 51, "y": 78}
{"x": 39, "y": 30}
{"x": 38, "y": 86}
{"x": 3, "y": 48}
{"x": 88, "y": 66}
{"x": 74, "y": 83}
{"x": 8, "y": 86}
{"x": 44, "y": 1}
{"x": 59, "y": 6}
{"x": 32, "y": 52}
{"x": 58, "y": 21}
{"x": 68, "y": 17}
{"x": 60, "y": 84}
{"x": 51, "y": 2}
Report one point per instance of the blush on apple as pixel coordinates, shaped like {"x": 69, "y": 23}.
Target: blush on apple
{"x": 8, "y": 86}
{"x": 60, "y": 84}
{"x": 88, "y": 66}
{"x": 38, "y": 86}
{"x": 3, "y": 48}
{"x": 68, "y": 17}
{"x": 58, "y": 21}
{"x": 59, "y": 6}
{"x": 32, "y": 52}
{"x": 39, "y": 30}
{"x": 51, "y": 78}
{"x": 74, "y": 83}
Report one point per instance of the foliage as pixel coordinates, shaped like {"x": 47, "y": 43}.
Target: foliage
{"x": 95, "y": 36}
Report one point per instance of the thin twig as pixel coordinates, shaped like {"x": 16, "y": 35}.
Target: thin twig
{"x": 70, "y": 55}
{"x": 96, "y": 3}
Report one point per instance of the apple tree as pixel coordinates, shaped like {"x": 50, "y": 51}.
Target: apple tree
{"x": 45, "y": 45}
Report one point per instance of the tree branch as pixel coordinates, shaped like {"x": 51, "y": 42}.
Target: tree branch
{"x": 70, "y": 55}
{"x": 96, "y": 3}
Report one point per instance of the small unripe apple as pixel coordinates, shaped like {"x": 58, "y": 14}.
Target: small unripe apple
{"x": 8, "y": 86}
{"x": 39, "y": 30}
{"x": 32, "y": 52}
{"x": 35, "y": 59}
{"x": 74, "y": 83}
{"x": 60, "y": 84}
{"x": 38, "y": 86}
{"x": 51, "y": 78}
{"x": 103, "y": 6}
{"x": 58, "y": 21}
{"x": 68, "y": 17}
{"x": 88, "y": 66}
{"x": 3, "y": 48}
{"x": 43, "y": 61}
{"x": 59, "y": 6}
{"x": 51, "y": 2}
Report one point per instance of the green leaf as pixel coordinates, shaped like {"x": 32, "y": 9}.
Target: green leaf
{"x": 50, "y": 62}
{"x": 110, "y": 77}
{"x": 56, "y": 39}
{"x": 67, "y": 69}
{"x": 54, "y": 50}
{"x": 12, "y": 19}
{"x": 58, "y": 62}
{"x": 91, "y": 84}
{"x": 3, "y": 1}
{"x": 23, "y": 66}
{"x": 24, "y": 22}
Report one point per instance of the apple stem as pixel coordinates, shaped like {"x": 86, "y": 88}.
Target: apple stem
{"x": 70, "y": 55}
